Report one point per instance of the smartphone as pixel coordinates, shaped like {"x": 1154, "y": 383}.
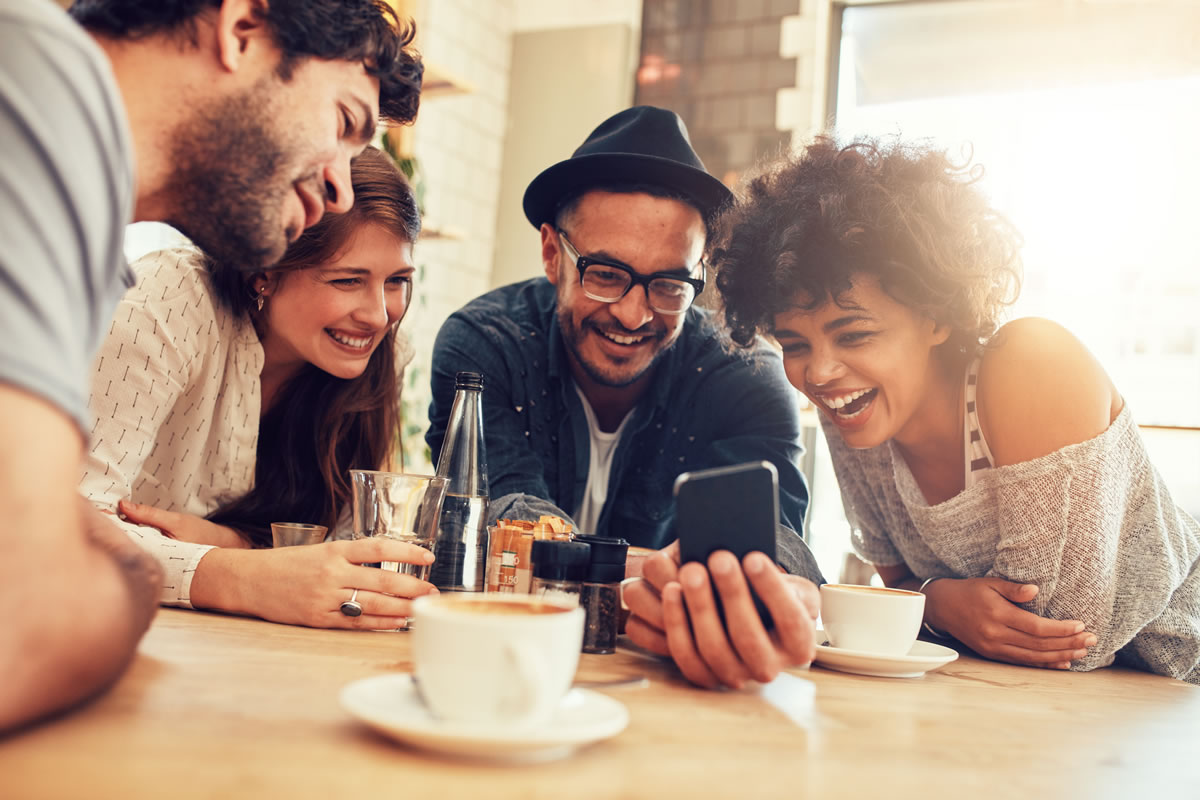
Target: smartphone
{"x": 734, "y": 508}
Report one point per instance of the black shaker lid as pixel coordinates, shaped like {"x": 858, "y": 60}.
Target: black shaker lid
{"x": 560, "y": 561}
{"x": 607, "y": 562}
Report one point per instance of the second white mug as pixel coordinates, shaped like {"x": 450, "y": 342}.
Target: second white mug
{"x": 871, "y": 619}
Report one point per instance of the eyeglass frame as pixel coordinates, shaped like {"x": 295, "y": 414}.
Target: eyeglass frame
{"x": 582, "y": 262}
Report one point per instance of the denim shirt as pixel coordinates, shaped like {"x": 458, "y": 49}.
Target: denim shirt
{"x": 706, "y": 407}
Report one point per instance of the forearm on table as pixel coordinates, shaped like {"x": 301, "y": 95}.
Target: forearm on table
{"x": 1078, "y": 579}
{"x": 224, "y": 580}
{"x": 1088, "y": 598}
{"x": 71, "y": 627}
{"x": 177, "y": 559}
{"x": 75, "y": 593}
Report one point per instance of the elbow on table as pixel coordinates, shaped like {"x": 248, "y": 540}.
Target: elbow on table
{"x": 60, "y": 650}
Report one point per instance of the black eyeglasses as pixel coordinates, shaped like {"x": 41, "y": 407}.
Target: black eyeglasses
{"x": 608, "y": 283}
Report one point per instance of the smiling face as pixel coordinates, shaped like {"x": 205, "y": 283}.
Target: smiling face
{"x": 867, "y": 362}
{"x": 335, "y": 315}
{"x": 253, "y": 170}
{"x": 615, "y": 344}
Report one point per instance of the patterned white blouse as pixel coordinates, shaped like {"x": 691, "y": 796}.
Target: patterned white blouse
{"x": 176, "y": 403}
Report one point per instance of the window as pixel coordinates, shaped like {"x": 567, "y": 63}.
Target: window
{"x": 1085, "y": 117}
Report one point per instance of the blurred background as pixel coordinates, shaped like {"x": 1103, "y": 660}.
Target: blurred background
{"x": 1084, "y": 113}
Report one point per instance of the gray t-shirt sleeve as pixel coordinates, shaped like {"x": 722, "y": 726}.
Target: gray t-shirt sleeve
{"x": 66, "y": 187}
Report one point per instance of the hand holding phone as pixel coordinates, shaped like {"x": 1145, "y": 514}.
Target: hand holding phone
{"x": 734, "y": 508}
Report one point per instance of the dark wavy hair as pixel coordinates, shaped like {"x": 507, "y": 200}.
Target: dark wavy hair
{"x": 335, "y": 30}
{"x": 905, "y": 214}
{"x": 323, "y": 426}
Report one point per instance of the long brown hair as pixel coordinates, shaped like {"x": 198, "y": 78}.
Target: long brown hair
{"x": 323, "y": 426}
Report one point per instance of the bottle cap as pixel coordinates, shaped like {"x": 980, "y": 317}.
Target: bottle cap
{"x": 468, "y": 380}
{"x": 559, "y": 561}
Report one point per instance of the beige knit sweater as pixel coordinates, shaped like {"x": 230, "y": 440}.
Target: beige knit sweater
{"x": 1092, "y": 525}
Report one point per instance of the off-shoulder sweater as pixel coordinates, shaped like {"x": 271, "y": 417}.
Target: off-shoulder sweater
{"x": 1092, "y": 525}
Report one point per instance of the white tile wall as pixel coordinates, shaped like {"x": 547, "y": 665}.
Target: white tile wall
{"x": 458, "y": 140}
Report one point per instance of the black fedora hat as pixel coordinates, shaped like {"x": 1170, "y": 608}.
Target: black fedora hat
{"x": 640, "y": 145}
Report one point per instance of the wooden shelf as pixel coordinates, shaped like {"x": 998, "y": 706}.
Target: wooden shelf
{"x": 440, "y": 83}
{"x": 433, "y": 231}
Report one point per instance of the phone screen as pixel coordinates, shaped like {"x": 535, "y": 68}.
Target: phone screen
{"x": 734, "y": 508}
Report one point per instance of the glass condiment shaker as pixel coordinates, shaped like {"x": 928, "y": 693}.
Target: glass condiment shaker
{"x": 559, "y": 568}
{"x": 460, "y": 549}
{"x": 600, "y": 594}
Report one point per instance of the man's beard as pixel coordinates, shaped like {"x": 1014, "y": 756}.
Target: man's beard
{"x": 229, "y": 184}
{"x": 573, "y": 338}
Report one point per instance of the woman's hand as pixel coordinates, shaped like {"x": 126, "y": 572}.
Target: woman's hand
{"x": 984, "y": 614}
{"x": 184, "y": 527}
{"x": 673, "y": 613}
{"x": 307, "y": 585}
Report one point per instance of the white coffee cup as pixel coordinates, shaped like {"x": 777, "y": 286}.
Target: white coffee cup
{"x": 496, "y": 658}
{"x": 871, "y": 619}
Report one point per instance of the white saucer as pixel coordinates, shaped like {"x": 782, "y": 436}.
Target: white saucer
{"x": 390, "y": 705}
{"x": 923, "y": 657}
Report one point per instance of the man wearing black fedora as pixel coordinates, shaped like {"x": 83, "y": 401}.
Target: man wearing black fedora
{"x": 603, "y": 382}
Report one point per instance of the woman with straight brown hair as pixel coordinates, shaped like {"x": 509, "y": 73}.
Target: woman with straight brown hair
{"x": 227, "y": 400}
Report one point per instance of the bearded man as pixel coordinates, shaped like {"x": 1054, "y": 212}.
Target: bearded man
{"x": 233, "y": 120}
{"x": 603, "y": 381}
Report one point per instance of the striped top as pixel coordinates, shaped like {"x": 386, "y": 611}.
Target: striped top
{"x": 977, "y": 454}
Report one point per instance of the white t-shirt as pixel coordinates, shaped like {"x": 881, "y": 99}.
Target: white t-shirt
{"x": 603, "y": 446}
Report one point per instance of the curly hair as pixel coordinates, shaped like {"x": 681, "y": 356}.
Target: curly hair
{"x": 905, "y": 214}
{"x": 335, "y": 30}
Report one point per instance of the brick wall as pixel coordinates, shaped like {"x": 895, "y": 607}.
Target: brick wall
{"x": 720, "y": 65}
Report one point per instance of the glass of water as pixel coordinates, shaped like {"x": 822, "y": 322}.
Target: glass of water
{"x": 400, "y": 506}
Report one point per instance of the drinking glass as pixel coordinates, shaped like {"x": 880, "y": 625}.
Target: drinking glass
{"x": 399, "y": 506}
{"x": 290, "y": 534}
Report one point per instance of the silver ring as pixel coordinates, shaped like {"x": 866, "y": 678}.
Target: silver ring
{"x": 351, "y": 608}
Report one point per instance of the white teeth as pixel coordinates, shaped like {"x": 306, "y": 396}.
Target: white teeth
{"x": 350, "y": 341}
{"x": 854, "y": 414}
{"x": 624, "y": 339}
{"x": 844, "y": 400}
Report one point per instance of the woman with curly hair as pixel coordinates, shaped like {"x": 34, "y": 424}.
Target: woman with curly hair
{"x": 998, "y": 471}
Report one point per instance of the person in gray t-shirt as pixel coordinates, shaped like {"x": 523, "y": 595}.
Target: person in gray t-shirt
{"x": 240, "y": 133}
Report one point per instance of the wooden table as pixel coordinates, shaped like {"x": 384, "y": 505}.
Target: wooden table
{"x": 219, "y": 707}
